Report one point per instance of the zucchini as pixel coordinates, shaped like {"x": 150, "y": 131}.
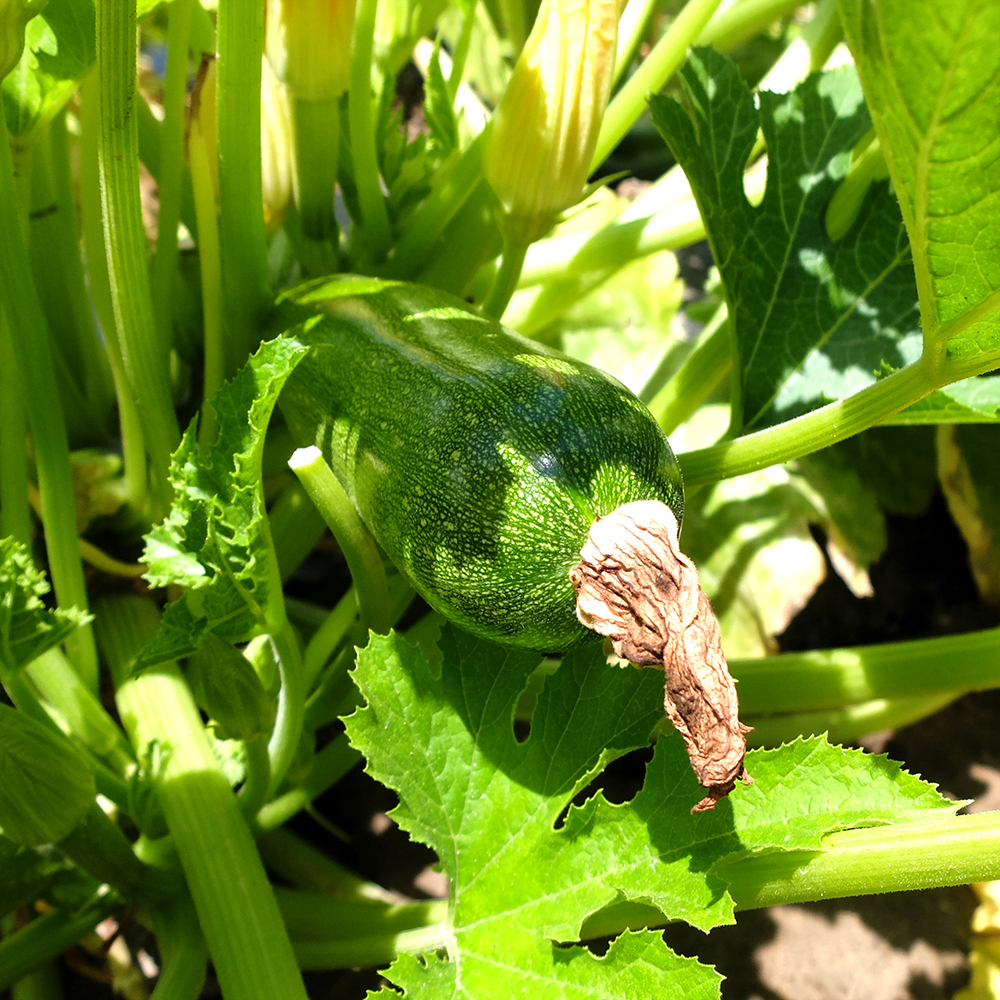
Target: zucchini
{"x": 478, "y": 459}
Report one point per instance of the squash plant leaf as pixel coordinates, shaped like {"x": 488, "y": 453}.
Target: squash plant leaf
{"x": 971, "y": 401}
{"x": 59, "y": 48}
{"x": 27, "y": 627}
{"x": 215, "y": 541}
{"x": 815, "y": 319}
{"x": 932, "y": 80}
{"x": 527, "y": 868}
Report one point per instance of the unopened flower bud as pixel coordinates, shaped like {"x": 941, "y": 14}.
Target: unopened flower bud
{"x": 14, "y": 16}
{"x": 309, "y": 45}
{"x": 46, "y": 785}
{"x": 544, "y": 132}
{"x": 227, "y": 687}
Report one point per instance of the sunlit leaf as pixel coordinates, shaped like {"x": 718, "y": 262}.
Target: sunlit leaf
{"x": 931, "y": 72}
{"x": 524, "y": 875}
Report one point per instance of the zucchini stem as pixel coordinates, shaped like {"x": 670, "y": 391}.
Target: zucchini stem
{"x": 374, "y": 214}
{"x": 505, "y": 281}
{"x": 358, "y": 546}
{"x": 242, "y": 234}
{"x": 143, "y": 352}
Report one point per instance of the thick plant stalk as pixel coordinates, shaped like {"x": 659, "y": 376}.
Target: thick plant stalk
{"x": 234, "y": 901}
{"x": 171, "y": 163}
{"x": 44, "y": 415}
{"x": 242, "y": 235}
{"x": 143, "y": 353}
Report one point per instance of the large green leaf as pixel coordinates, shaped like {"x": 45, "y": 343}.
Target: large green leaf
{"x": 815, "y": 319}
{"x": 931, "y": 73}
{"x": 59, "y": 48}
{"x": 524, "y": 873}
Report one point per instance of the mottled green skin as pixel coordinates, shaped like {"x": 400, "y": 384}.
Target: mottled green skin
{"x": 477, "y": 458}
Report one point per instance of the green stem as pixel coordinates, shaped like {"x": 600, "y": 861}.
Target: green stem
{"x": 427, "y": 223}
{"x": 843, "y": 725}
{"x": 703, "y": 369}
{"x": 328, "y": 637}
{"x": 54, "y": 250}
{"x": 253, "y": 794}
{"x": 79, "y": 711}
{"x": 317, "y": 145}
{"x": 833, "y": 678}
{"x": 150, "y": 152}
{"x": 355, "y": 541}
{"x": 461, "y": 53}
{"x": 284, "y": 742}
{"x": 505, "y": 281}
{"x": 374, "y": 215}
{"x": 334, "y": 933}
{"x": 334, "y": 689}
{"x": 49, "y": 936}
{"x": 327, "y": 768}
{"x": 97, "y": 378}
{"x": 304, "y": 866}
{"x": 513, "y": 23}
{"x": 92, "y": 221}
{"x": 632, "y": 27}
{"x": 236, "y": 908}
{"x": 623, "y": 240}
{"x": 899, "y": 858}
{"x": 99, "y": 847}
{"x": 810, "y": 432}
{"x": 210, "y": 265}
{"x": 242, "y": 235}
{"x": 145, "y": 360}
{"x": 296, "y": 527}
{"x": 183, "y": 954}
{"x": 171, "y": 164}
{"x": 310, "y": 916}
{"x": 376, "y": 949}
{"x": 742, "y": 21}
{"x": 15, "y": 511}
{"x": 876, "y": 859}
{"x": 33, "y": 362}
{"x": 654, "y": 71}
{"x": 469, "y": 241}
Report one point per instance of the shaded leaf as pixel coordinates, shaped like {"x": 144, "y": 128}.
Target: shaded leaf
{"x": 815, "y": 319}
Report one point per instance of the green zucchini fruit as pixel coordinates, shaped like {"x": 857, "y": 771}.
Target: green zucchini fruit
{"x": 478, "y": 459}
